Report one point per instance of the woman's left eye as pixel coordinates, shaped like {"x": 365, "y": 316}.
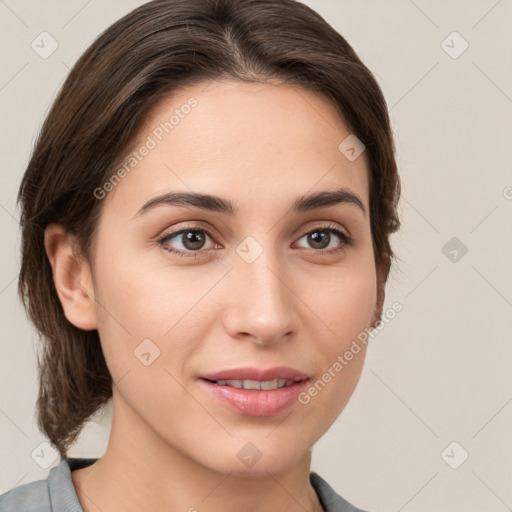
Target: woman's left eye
{"x": 193, "y": 239}
{"x": 320, "y": 238}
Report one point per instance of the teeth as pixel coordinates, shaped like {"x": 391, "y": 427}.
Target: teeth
{"x": 251, "y": 384}
{"x": 232, "y": 383}
{"x": 270, "y": 384}
{"x": 256, "y": 384}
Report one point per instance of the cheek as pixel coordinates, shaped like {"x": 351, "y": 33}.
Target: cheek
{"x": 352, "y": 309}
{"x": 144, "y": 299}
{"x": 345, "y": 309}
{"x": 347, "y": 312}
{"x": 344, "y": 300}
{"x": 140, "y": 300}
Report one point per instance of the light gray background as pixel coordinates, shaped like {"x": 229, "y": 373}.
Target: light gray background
{"x": 441, "y": 370}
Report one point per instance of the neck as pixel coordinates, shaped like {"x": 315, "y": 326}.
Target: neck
{"x": 140, "y": 471}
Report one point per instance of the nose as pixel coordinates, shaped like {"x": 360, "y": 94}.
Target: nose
{"x": 261, "y": 305}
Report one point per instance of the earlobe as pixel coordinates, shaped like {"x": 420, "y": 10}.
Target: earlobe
{"x": 72, "y": 277}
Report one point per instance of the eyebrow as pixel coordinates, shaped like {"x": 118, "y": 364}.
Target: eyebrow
{"x": 217, "y": 204}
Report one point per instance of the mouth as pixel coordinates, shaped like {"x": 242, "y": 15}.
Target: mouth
{"x": 256, "y": 392}
{"x": 265, "y": 385}
{"x": 278, "y": 374}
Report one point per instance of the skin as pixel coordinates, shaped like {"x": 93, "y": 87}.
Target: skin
{"x": 172, "y": 445}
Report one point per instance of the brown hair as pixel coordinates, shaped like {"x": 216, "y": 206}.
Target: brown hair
{"x": 157, "y": 48}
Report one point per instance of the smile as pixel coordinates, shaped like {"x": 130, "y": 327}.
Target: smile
{"x": 255, "y": 384}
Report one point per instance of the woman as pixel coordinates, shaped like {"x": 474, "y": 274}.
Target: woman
{"x": 205, "y": 223}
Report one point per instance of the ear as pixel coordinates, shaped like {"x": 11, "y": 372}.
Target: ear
{"x": 72, "y": 277}
{"x": 381, "y": 295}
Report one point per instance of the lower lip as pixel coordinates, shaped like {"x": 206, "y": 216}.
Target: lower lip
{"x": 256, "y": 402}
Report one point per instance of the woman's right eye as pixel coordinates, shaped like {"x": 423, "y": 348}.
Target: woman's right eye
{"x": 191, "y": 239}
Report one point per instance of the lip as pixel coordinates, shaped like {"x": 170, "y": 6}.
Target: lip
{"x": 256, "y": 402}
{"x": 251, "y": 373}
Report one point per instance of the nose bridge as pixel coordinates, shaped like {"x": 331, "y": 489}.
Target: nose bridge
{"x": 263, "y": 277}
{"x": 262, "y": 302}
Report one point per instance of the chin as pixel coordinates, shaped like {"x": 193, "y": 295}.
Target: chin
{"x": 258, "y": 459}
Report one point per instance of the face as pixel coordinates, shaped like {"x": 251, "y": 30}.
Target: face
{"x": 187, "y": 289}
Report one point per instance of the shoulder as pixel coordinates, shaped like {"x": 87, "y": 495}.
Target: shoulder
{"x": 56, "y": 493}
{"x": 30, "y": 497}
{"x": 330, "y": 499}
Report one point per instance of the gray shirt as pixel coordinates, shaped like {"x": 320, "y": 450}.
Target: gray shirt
{"x": 57, "y": 493}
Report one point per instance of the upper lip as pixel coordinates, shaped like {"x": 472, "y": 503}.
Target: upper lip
{"x": 259, "y": 374}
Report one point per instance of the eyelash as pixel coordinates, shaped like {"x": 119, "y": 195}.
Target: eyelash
{"x": 346, "y": 241}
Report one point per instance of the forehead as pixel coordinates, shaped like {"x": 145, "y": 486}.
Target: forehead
{"x": 253, "y": 141}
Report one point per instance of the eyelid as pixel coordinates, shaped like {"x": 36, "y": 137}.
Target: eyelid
{"x": 325, "y": 224}
{"x": 192, "y": 227}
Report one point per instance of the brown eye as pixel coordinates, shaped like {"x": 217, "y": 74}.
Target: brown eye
{"x": 323, "y": 239}
{"x": 185, "y": 240}
{"x": 319, "y": 239}
{"x": 192, "y": 240}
